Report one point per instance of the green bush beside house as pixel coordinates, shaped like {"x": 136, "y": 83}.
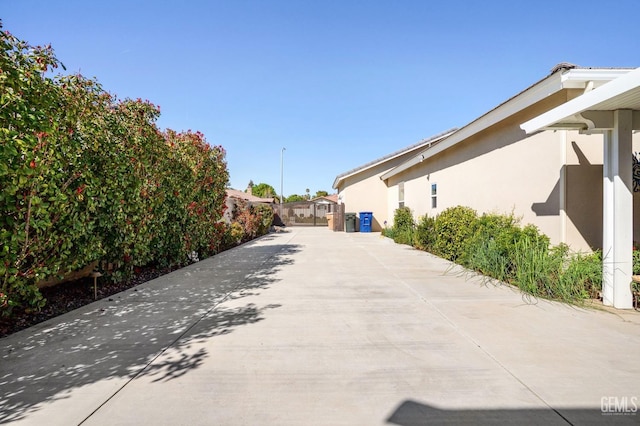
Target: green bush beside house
{"x": 498, "y": 247}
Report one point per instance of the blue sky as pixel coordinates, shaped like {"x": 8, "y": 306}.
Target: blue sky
{"x": 338, "y": 83}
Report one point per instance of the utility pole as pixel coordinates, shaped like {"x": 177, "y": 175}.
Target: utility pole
{"x": 281, "y": 179}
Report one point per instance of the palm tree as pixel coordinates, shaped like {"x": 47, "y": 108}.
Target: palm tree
{"x": 308, "y": 196}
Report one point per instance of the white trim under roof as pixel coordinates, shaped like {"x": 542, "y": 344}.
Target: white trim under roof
{"x": 579, "y": 78}
{"x": 567, "y": 79}
{"x": 422, "y": 143}
{"x": 621, "y": 93}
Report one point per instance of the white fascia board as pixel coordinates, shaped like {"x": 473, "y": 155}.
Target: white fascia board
{"x": 625, "y": 86}
{"x": 414, "y": 160}
{"x": 428, "y": 141}
{"x": 407, "y": 164}
{"x": 579, "y": 78}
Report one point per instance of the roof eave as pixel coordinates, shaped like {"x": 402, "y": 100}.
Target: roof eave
{"x": 425, "y": 142}
{"x": 573, "y": 78}
{"x": 621, "y": 93}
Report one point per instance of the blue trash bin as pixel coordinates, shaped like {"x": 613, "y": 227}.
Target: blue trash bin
{"x": 366, "y": 218}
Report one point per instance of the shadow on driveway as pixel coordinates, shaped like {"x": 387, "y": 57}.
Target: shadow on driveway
{"x": 412, "y": 413}
{"x": 120, "y": 337}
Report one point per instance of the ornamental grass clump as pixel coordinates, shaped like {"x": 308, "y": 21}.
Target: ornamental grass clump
{"x": 491, "y": 249}
{"x": 556, "y": 273}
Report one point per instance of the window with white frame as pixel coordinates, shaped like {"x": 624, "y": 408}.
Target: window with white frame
{"x": 434, "y": 195}
{"x": 400, "y": 194}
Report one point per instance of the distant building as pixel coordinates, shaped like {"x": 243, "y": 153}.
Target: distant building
{"x": 233, "y": 195}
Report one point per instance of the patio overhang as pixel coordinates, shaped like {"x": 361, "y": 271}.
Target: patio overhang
{"x": 593, "y": 111}
{"x": 612, "y": 109}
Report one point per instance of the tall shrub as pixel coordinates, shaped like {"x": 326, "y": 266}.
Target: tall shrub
{"x": 403, "y": 226}
{"x": 47, "y": 213}
{"x": 252, "y": 220}
{"x": 425, "y": 235}
{"x": 453, "y": 227}
{"x": 266, "y": 214}
{"x": 132, "y": 156}
{"x": 199, "y": 177}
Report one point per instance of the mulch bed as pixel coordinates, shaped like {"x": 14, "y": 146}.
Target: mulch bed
{"x": 71, "y": 295}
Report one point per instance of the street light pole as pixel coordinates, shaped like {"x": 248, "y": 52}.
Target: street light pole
{"x": 281, "y": 179}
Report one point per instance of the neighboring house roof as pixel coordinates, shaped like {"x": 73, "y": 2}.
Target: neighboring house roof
{"x": 234, "y": 193}
{"x": 563, "y": 76}
{"x": 333, "y": 198}
{"x": 425, "y": 142}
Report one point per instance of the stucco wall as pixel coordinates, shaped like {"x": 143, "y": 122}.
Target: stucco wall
{"x": 552, "y": 179}
{"x": 501, "y": 172}
{"x": 366, "y": 192}
{"x": 584, "y": 190}
{"x": 493, "y": 170}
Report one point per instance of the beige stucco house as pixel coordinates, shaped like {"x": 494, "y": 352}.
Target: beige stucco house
{"x": 547, "y": 171}
{"x": 362, "y": 190}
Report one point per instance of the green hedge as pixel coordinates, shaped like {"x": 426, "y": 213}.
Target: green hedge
{"x": 86, "y": 177}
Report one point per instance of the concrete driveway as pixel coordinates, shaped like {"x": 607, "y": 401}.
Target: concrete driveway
{"x": 312, "y": 327}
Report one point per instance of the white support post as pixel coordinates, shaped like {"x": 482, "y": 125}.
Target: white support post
{"x": 607, "y": 220}
{"x": 618, "y": 212}
{"x": 563, "y": 186}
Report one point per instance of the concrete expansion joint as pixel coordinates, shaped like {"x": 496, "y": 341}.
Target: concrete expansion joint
{"x": 469, "y": 337}
{"x": 486, "y": 352}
